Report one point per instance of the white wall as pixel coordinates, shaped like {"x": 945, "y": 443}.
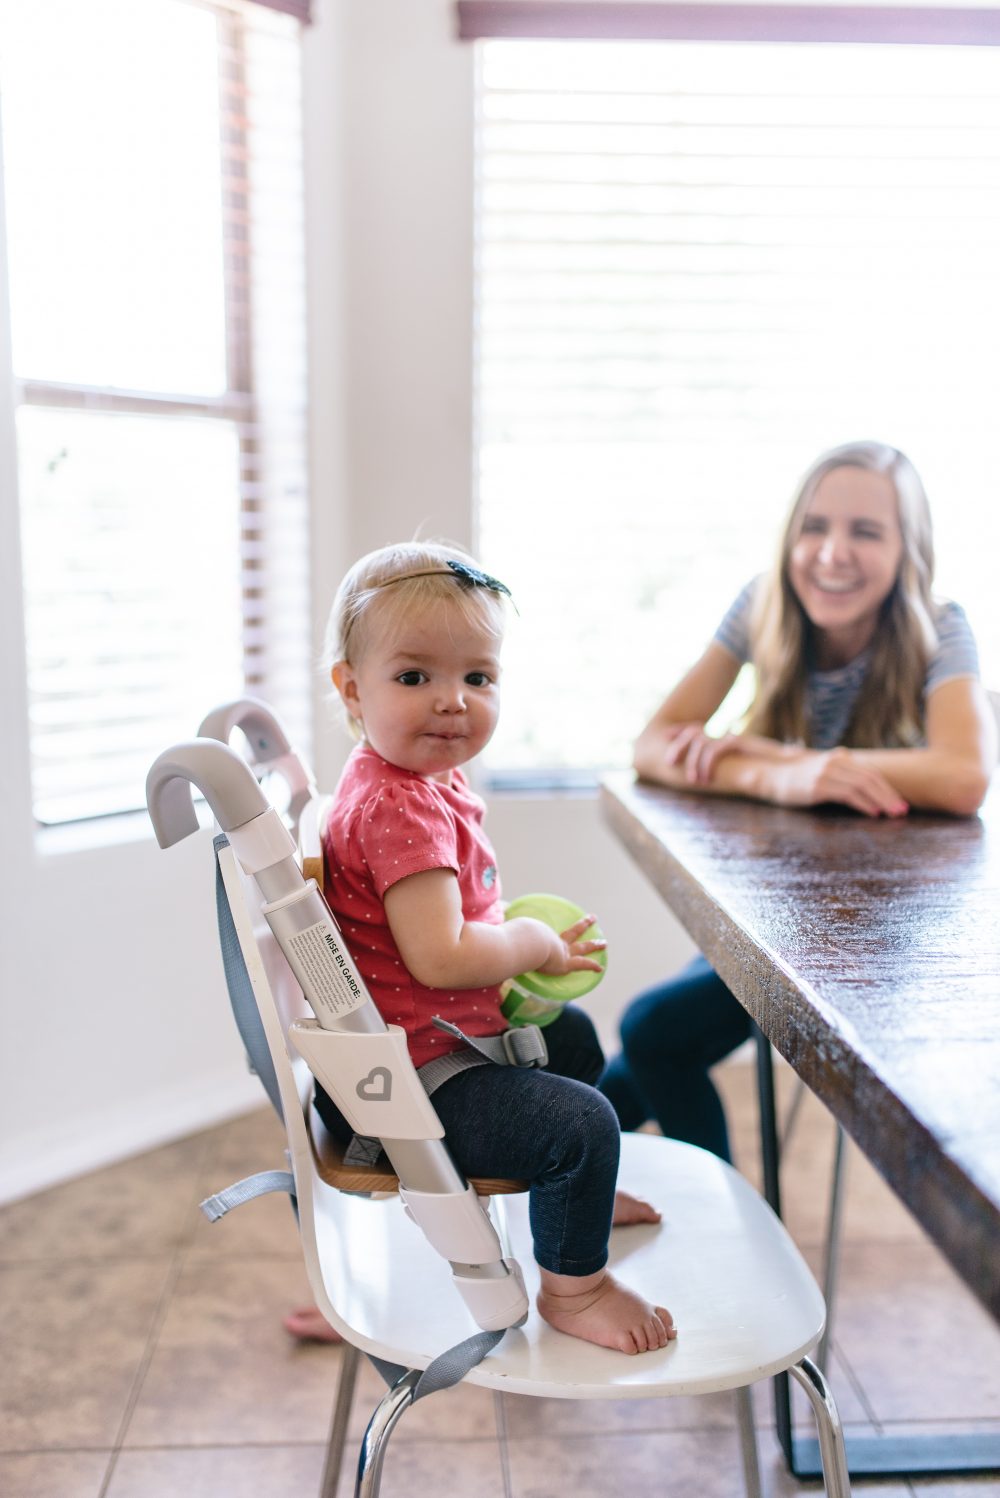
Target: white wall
{"x": 115, "y": 1035}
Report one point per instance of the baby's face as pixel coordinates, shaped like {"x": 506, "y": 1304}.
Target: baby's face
{"x": 428, "y": 698}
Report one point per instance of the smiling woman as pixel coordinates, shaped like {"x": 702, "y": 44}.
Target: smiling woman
{"x": 853, "y": 658}
{"x": 868, "y": 696}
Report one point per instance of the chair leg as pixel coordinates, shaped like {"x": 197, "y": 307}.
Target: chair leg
{"x": 748, "y": 1440}
{"x": 791, "y": 1117}
{"x": 349, "y": 1360}
{"x": 831, "y": 1268}
{"x": 380, "y": 1427}
{"x": 832, "y": 1452}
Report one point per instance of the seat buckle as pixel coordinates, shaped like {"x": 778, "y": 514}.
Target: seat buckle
{"x": 524, "y": 1045}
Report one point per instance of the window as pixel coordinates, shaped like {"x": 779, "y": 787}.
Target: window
{"x": 153, "y": 201}
{"x": 700, "y": 265}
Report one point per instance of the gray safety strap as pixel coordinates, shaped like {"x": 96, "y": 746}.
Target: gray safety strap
{"x": 239, "y": 1192}
{"x": 447, "y": 1368}
{"x": 245, "y": 1011}
{"x": 520, "y": 1046}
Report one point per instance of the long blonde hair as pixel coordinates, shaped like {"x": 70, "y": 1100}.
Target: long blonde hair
{"x": 888, "y": 711}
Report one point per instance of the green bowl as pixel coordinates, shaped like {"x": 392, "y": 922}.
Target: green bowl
{"x": 560, "y": 914}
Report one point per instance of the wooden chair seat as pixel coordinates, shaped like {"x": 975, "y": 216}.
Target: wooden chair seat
{"x": 362, "y": 1180}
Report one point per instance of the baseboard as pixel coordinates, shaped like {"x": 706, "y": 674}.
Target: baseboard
{"x": 82, "y": 1145}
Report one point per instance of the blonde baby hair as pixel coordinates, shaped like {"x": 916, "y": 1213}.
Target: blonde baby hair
{"x": 391, "y": 585}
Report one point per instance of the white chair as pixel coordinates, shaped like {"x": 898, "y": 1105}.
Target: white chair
{"x": 743, "y": 1299}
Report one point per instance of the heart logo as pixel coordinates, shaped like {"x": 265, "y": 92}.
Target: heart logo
{"x": 377, "y": 1086}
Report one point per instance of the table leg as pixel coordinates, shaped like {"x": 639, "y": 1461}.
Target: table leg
{"x": 771, "y": 1160}
{"x": 867, "y": 1456}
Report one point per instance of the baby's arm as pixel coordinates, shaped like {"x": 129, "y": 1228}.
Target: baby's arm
{"x": 441, "y": 949}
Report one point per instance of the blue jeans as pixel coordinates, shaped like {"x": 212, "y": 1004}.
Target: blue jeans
{"x": 671, "y": 1035}
{"x": 548, "y": 1126}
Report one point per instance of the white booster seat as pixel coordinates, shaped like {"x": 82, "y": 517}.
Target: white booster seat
{"x": 362, "y": 1063}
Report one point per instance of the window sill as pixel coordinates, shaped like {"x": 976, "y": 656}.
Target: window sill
{"x": 580, "y": 784}
{"x": 103, "y": 832}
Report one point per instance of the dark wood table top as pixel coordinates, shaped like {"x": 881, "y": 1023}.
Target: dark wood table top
{"x": 868, "y": 951}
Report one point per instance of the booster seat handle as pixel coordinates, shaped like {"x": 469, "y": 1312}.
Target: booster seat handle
{"x": 266, "y": 737}
{"x": 223, "y": 777}
{"x": 271, "y": 750}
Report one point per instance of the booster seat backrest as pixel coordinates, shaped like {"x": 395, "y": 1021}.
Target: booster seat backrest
{"x": 278, "y": 996}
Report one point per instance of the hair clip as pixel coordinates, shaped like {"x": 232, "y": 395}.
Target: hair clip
{"x": 473, "y": 578}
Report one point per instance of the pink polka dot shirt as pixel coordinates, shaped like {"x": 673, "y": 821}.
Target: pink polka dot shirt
{"x": 385, "y": 824}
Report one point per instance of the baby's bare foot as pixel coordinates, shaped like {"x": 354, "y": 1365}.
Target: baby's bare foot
{"x": 308, "y": 1324}
{"x": 630, "y": 1209}
{"x": 596, "y": 1308}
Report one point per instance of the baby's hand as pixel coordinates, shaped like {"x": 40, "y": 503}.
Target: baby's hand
{"x": 569, "y": 951}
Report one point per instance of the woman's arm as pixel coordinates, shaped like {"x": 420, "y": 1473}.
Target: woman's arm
{"x": 691, "y": 703}
{"x": 784, "y": 774}
{"x": 441, "y": 949}
{"x": 953, "y": 772}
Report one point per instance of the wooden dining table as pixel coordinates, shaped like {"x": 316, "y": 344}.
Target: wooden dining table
{"x": 868, "y": 953}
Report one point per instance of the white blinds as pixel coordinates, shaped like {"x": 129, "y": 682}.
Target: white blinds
{"x": 152, "y": 178}
{"x": 699, "y": 266}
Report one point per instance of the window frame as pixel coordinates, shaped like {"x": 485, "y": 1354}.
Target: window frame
{"x": 240, "y": 405}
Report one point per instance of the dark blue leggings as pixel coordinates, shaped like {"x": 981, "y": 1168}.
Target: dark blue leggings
{"x": 550, "y": 1127}
{"x": 671, "y": 1035}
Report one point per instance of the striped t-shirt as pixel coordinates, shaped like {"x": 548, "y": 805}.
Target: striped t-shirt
{"x": 831, "y": 695}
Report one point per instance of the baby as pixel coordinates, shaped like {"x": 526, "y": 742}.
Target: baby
{"x": 414, "y": 652}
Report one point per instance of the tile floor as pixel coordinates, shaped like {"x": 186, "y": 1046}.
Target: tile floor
{"x": 143, "y": 1355}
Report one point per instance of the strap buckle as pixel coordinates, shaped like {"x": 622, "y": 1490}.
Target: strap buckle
{"x": 524, "y": 1046}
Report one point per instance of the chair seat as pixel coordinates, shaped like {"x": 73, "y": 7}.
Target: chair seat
{"x": 328, "y": 1155}
{"x": 745, "y": 1303}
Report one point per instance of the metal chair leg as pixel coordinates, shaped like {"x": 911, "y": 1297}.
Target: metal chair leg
{"x": 349, "y": 1360}
{"x": 831, "y": 1263}
{"x": 831, "y": 1433}
{"x": 792, "y": 1116}
{"x": 748, "y": 1440}
{"x": 380, "y": 1428}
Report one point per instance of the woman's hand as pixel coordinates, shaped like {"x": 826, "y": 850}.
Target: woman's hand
{"x": 809, "y": 777}
{"x": 569, "y": 952}
{"x": 688, "y": 745}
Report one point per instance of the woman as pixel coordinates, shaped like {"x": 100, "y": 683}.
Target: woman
{"x": 867, "y": 695}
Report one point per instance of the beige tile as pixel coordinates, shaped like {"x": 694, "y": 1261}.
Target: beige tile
{"x": 219, "y": 1472}
{"x": 264, "y": 1227}
{"x": 680, "y": 1463}
{"x": 527, "y": 1418}
{"x": 464, "y": 1412}
{"x": 139, "y": 1206}
{"x": 848, "y": 1397}
{"x": 956, "y": 1487}
{"x": 53, "y": 1474}
{"x": 913, "y": 1335}
{"x": 253, "y": 1142}
{"x": 224, "y": 1371}
{"x": 74, "y": 1337}
{"x": 426, "y": 1469}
